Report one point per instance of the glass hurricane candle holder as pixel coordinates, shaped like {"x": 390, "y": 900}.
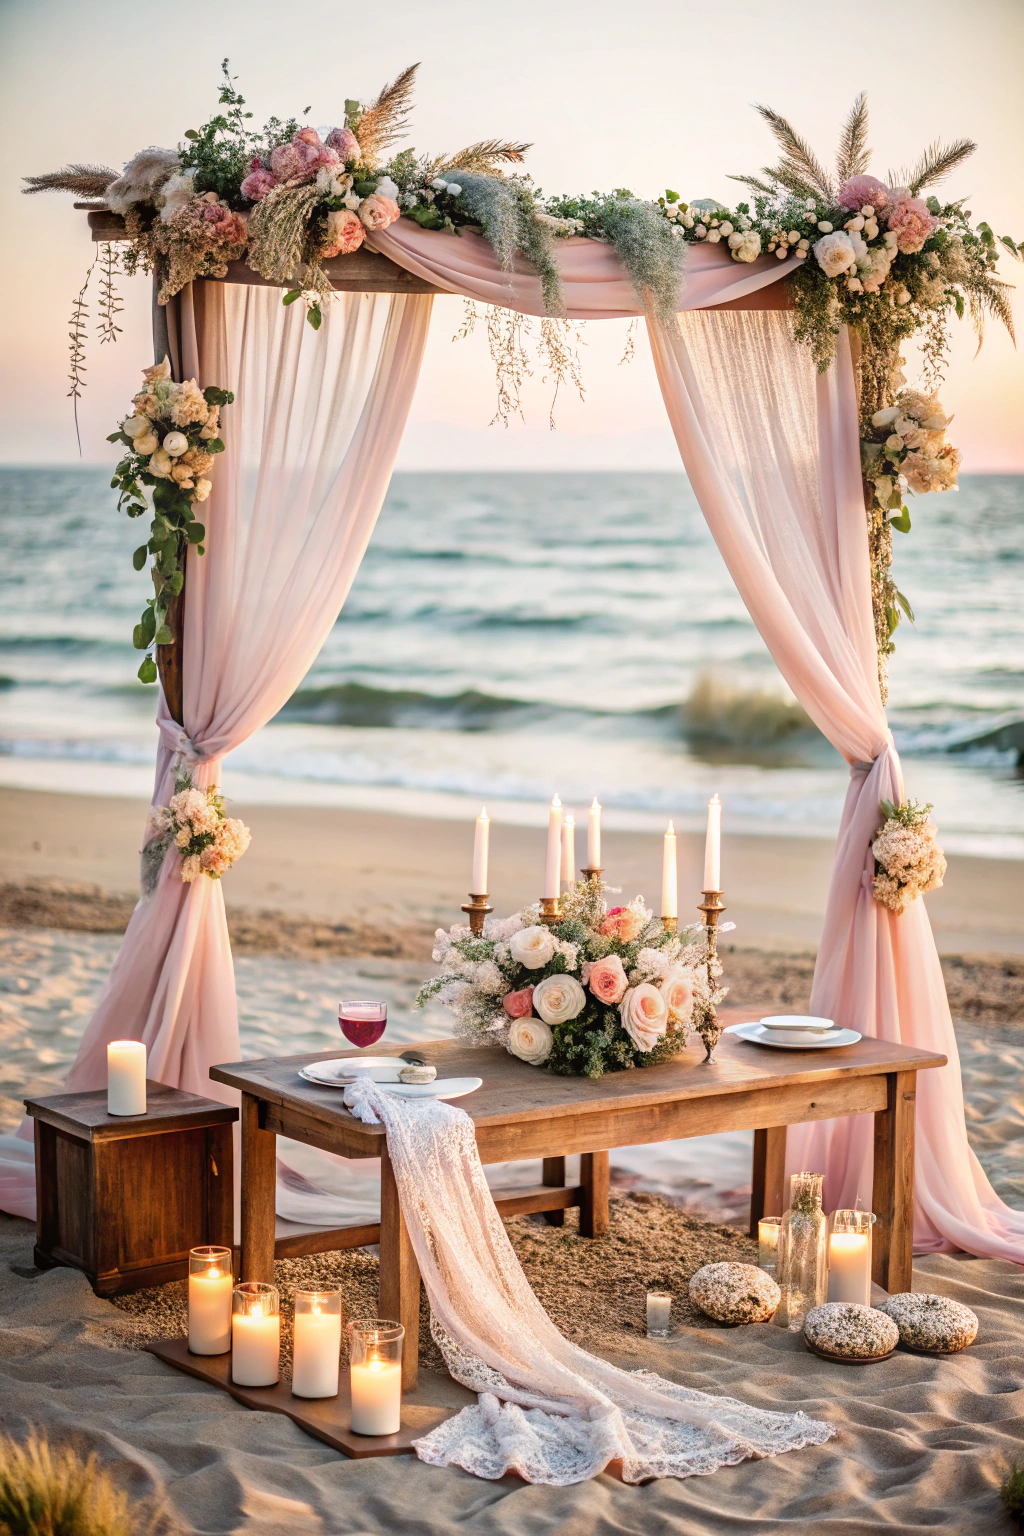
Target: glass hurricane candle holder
{"x": 316, "y": 1351}
{"x": 210, "y": 1284}
{"x": 375, "y": 1367}
{"x": 255, "y": 1334}
{"x": 849, "y": 1257}
{"x": 768, "y": 1229}
{"x": 659, "y": 1314}
{"x": 803, "y": 1254}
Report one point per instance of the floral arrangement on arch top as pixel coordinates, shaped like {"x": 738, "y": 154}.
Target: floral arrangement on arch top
{"x": 604, "y": 988}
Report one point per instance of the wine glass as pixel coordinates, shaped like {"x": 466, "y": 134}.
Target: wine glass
{"x": 362, "y": 1022}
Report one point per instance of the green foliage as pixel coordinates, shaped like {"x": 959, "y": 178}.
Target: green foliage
{"x": 910, "y": 813}
{"x": 644, "y": 241}
{"x": 506, "y": 210}
{"x": 48, "y": 1492}
{"x": 221, "y": 152}
{"x": 1012, "y": 1493}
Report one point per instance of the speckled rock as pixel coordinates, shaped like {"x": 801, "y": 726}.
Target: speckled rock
{"x": 930, "y": 1322}
{"x": 854, "y": 1332}
{"x": 735, "y": 1293}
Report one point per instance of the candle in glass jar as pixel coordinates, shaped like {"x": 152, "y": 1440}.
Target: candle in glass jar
{"x": 659, "y": 1312}
{"x": 210, "y": 1283}
{"x": 377, "y": 1397}
{"x": 594, "y": 836}
{"x": 568, "y": 849}
{"x": 849, "y": 1257}
{"x": 316, "y": 1352}
{"x": 481, "y": 847}
{"x": 553, "y": 862}
{"x": 669, "y": 884}
{"x": 713, "y": 847}
{"x": 255, "y": 1335}
{"x": 126, "y": 1077}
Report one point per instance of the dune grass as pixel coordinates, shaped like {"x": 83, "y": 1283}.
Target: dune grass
{"x": 1012, "y": 1494}
{"x": 47, "y": 1491}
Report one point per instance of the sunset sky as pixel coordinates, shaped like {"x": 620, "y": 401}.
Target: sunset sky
{"x": 644, "y": 96}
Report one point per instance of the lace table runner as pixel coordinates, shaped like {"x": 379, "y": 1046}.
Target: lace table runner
{"x": 546, "y": 1409}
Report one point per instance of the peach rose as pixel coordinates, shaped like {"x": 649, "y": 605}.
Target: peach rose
{"x": 677, "y": 990}
{"x": 518, "y": 1005}
{"x": 621, "y": 923}
{"x": 644, "y": 1015}
{"x": 345, "y": 233}
{"x": 378, "y": 212}
{"x": 607, "y": 980}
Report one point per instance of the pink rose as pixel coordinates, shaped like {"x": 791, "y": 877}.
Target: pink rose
{"x": 621, "y": 923}
{"x": 258, "y": 183}
{"x": 859, "y": 190}
{"x": 345, "y": 233}
{"x": 296, "y": 162}
{"x": 518, "y": 1005}
{"x": 911, "y": 223}
{"x": 644, "y": 1015}
{"x": 607, "y": 980}
{"x": 213, "y": 861}
{"x": 378, "y": 212}
{"x": 345, "y": 142}
{"x": 677, "y": 990}
{"x": 308, "y": 136}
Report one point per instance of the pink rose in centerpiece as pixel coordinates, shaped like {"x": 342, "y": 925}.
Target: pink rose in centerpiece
{"x": 345, "y": 233}
{"x": 607, "y": 980}
{"x": 621, "y": 923}
{"x": 345, "y": 142}
{"x": 860, "y": 190}
{"x": 644, "y": 1015}
{"x": 378, "y": 212}
{"x": 677, "y": 990}
{"x": 518, "y": 1005}
{"x": 258, "y": 183}
{"x": 911, "y": 223}
{"x": 298, "y": 161}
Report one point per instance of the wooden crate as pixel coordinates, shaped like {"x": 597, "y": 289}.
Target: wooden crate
{"x": 124, "y": 1197}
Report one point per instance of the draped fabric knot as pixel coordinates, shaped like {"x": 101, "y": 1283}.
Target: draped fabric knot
{"x": 184, "y": 750}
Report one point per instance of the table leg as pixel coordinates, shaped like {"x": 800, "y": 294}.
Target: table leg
{"x": 768, "y": 1175}
{"x": 594, "y": 1206}
{"x": 399, "y": 1289}
{"x": 892, "y": 1193}
{"x": 553, "y": 1177}
{"x": 259, "y": 1192}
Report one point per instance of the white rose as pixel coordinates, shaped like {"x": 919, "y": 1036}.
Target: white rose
{"x": 136, "y": 426}
{"x": 854, "y": 285}
{"x": 175, "y": 443}
{"x": 146, "y": 442}
{"x": 532, "y": 947}
{"x": 530, "y": 1040}
{"x": 687, "y": 220}
{"x": 726, "y": 227}
{"x": 700, "y": 230}
{"x": 202, "y": 490}
{"x": 782, "y": 252}
{"x": 894, "y": 441}
{"x": 885, "y": 418}
{"x": 834, "y": 253}
{"x": 644, "y": 1015}
{"x": 454, "y": 190}
{"x": 825, "y": 226}
{"x": 387, "y": 188}
{"x": 558, "y": 999}
{"x": 868, "y": 210}
{"x": 870, "y": 229}
{"x": 160, "y": 465}
{"x": 857, "y": 222}
{"x": 714, "y": 235}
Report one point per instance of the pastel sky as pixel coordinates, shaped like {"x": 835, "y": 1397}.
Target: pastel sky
{"x": 642, "y": 95}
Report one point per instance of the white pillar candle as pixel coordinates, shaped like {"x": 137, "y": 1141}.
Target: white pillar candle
{"x": 209, "y": 1311}
{"x": 317, "y": 1351}
{"x": 126, "y": 1077}
{"x": 553, "y": 863}
{"x": 594, "y": 836}
{"x": 377, "y": 1397}
{"x": 569, "y": 849}
{"x": 713, "y": 847}
{"x": 669, "y": 884}
{"x": 849, "y": 1267}
{"x": 255, "y": 1348}
{"x": 659, "y": 1312}
{"x": 481, "y": 848}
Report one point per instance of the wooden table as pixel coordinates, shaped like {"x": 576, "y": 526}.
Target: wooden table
{"x": 521, "y": 1112}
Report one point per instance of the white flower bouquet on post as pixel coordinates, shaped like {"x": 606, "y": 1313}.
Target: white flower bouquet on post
{"x": 604, "y": 989}
{"x": 195, "y": 823}
{"x": 908, "y": 860}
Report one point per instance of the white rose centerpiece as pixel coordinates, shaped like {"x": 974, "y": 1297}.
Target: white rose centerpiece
{"x": 559, "y": 998}
{"x": 530, "y": 1040}
{"x": 532, "y": 947}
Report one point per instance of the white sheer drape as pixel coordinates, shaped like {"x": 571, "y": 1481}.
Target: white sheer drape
{"x": 311, "y": 441}
{"x": 772, "y": 452}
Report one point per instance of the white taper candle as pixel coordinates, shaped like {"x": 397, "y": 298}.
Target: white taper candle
{"x": 553, "y": 863}
{"x": 481, "y": 849}
{"x": 594, "y": 836}
{"x": 669, "y": 884}
{"x": 713, "y": 847}
{"x": 569, "y": 849}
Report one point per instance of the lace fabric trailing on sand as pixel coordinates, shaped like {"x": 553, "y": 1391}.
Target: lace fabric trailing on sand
{"x": 547, "y": 1409}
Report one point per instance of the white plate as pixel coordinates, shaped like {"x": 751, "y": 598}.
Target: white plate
{"x": 792, "y": 1022}
{"x": 758, "y": 1036}
{"x": 343, "y": 1070}
{"x": 327, "y": 1074}
{"x": 440, "y": 1088}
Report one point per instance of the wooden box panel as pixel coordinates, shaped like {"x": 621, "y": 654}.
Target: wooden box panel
{"x": 74, "y": 1235}
{"x": 152, "y": 1193}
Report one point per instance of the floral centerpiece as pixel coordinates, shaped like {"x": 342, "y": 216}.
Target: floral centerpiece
{"x": 604, "y": 988}
{"x": 172, "y": 435}
{"x": 196, "y": 824}
{"x": 908, "y": 860}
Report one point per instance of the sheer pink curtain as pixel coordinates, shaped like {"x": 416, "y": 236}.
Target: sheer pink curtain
{"x": 311, "y": 441}
{"x": 772, "y": 453}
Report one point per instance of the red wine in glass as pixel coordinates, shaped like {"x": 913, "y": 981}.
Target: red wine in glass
{"x": 362, "y": 1022}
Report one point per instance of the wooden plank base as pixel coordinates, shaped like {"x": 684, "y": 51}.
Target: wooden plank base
{"x": 327, "y": 1418}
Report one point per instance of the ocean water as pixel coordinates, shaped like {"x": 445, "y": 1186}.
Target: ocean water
{"x": 509, "y": 635}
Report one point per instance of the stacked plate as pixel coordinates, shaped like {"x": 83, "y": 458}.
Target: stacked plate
{"x": 384, "y": 1070}
{"x": 795, "y": 1032}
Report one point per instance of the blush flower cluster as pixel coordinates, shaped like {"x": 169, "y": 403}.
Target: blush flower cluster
{"x": 908, "y": 860}
{"x": 195, "y": 824}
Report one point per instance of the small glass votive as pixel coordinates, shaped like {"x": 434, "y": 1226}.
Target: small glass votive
{"x": 659, "y": 1313}
{"x": 210, "y": 1284}
{"x": 768, "y": 1245}
{"x": 316, "y": 1350}
{"x": 255, "y": 1334}
{"x": 375, "y": 1367}
{"x": 849, "y": 1257}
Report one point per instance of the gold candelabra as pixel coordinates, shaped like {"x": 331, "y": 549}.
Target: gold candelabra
{"x": 551, "y": 910}
{"x": 710, "y": 1030}
{"x": 478, "y": 909}
{"x": 590, "y": 873}
{"x": 670, "y": 924}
